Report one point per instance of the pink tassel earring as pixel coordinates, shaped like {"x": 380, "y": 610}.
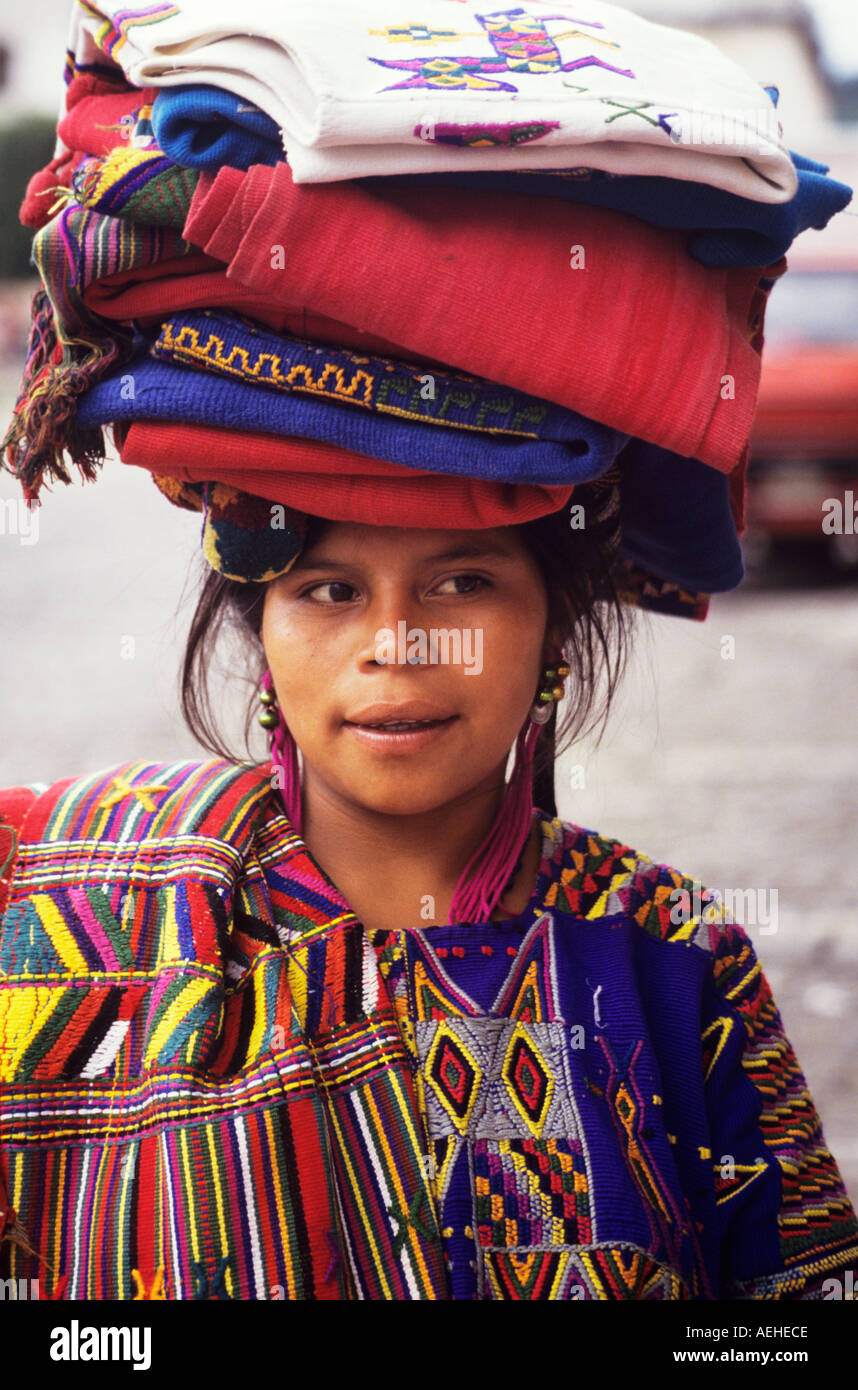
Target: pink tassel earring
{"x": 488, "y": 872}
{"x": 284, "y": 751}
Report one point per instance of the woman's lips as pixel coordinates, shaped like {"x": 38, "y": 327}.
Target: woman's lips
{"x": 396, "y": 737}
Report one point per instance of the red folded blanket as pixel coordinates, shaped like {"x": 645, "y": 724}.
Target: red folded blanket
{"x": 151, "y": 293}
{"x": 637, "y": 336}
{"x": 331, "y": 482}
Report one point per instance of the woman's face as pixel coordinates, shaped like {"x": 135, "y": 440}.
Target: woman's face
{"x": 339, "y": 676}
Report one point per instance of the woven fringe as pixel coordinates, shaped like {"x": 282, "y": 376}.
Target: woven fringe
{"x": 43, "y": 426}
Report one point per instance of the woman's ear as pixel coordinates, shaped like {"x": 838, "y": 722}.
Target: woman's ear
{"x": 552, "y": 648}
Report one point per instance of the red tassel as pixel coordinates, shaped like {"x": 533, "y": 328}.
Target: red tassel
{"x": 488, "y": 871}
{"x": 284, "y": 755}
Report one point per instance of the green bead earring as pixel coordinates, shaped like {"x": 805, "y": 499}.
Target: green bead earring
{"x": 268, "y": 716}
{"x": 550, "y": 691}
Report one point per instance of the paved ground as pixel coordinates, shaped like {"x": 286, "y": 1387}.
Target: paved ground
{"x": 741, "y": 772}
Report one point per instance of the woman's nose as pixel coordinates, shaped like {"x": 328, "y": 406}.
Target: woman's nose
{"x": 388, "y": 619}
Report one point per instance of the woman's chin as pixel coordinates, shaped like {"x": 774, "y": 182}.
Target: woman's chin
{"x": 400, "y": 796}
{"x": 406, "y": 804}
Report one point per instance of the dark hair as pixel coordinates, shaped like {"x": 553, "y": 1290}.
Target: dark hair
{"x": 584, "y": 611}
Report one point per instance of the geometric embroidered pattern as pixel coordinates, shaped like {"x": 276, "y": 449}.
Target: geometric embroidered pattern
{"x": 530, "y": 1192}
{"x": 493, "y": 1078}
{"x": 232, "y": 347}
{"x": 619, "y": 1272}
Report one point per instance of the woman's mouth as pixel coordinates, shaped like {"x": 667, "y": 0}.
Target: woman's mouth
{"x": 401, "y": 735}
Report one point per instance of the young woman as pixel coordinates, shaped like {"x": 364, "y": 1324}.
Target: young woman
{"x": 367, "y": 1020}
{"x": 352, "y": 1027}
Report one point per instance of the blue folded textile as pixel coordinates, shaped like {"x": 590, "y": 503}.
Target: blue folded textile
{"x": 231, "y": 345}
{"x": 726, "y": 230}
{"x": 204, "y": 128}
{"x": 148, "y": 388}
{"x": 676, "y": 519}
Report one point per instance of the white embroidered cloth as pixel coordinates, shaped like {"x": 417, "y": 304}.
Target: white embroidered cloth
{"x": 364, "y": 87}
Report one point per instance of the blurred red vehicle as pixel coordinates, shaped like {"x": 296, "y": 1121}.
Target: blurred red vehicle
{"x": 803, "y": 469}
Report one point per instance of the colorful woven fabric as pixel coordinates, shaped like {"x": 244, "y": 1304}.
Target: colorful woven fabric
{"x": 218, "y": 1084}
{"x": 640, "y": 588}
{"x": 355, "y": 90}
{"x": 69, "y": 346}
{"x": 465, "y": 292}
{"x": 102, "y": 116}
{"x": 676, "y": 513}
{"x": 100, "y": 113}
{"x": 141, "y": 185}
{"x": 438, "y": 422}
{"x": 242, "y": 537}
{"x": 240, "y": 350}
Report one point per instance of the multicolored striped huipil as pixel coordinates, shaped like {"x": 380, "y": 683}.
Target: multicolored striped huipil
{"x": 215, "y": 1084}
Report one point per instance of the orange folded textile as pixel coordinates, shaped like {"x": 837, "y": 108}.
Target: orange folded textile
{"x": 330, "y": 482}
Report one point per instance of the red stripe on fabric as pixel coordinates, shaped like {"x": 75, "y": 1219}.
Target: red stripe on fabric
{"x": 313, "y": 1167}
{"x": 148, "y": 1168}
{"x": 51, "y": 1064}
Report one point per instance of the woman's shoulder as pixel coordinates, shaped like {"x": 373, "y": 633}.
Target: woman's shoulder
{"x": 132, "y": 801}
{"x": 596, "y": 876}
{"x": 136, "y": 782}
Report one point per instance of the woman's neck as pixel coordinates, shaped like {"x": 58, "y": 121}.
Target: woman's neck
{"x": 400, "y": 871}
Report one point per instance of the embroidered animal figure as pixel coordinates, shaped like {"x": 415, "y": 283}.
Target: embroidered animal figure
{"x": 521, "y": 43}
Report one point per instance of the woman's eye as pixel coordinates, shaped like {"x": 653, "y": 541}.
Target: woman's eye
{"x": 471, "y": 583}
{"x": 338, "y": 591}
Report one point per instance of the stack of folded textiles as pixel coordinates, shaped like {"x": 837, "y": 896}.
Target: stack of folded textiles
{"x": 445, "y": 273}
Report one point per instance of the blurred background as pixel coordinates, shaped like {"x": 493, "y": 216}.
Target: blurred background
{"x": 740, "y": 770}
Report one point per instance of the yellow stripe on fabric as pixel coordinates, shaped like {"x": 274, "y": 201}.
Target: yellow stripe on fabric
{"x": 737, "y": 989}
{"x": 192, "y": 1198}
{"x": 260, "y": 1014}
{"x": 378, "y": 1262}
{"x": 192, "y": 993}
{"x": 16, "y": 1160}
{"x": 415, "y": 1246}
{"x": 31, "y": 1011}
{"x": 215, "y": 1176}
{"x": 296, "y": 974}
{"x": 59, "y": 1203}
{"x": 54, "y": 924}
{"x": 160, "y": 1257}
{"x": 292, "y": 1289}
{"x": 96, "y": 1218}
{"x": 168, "y": 946}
